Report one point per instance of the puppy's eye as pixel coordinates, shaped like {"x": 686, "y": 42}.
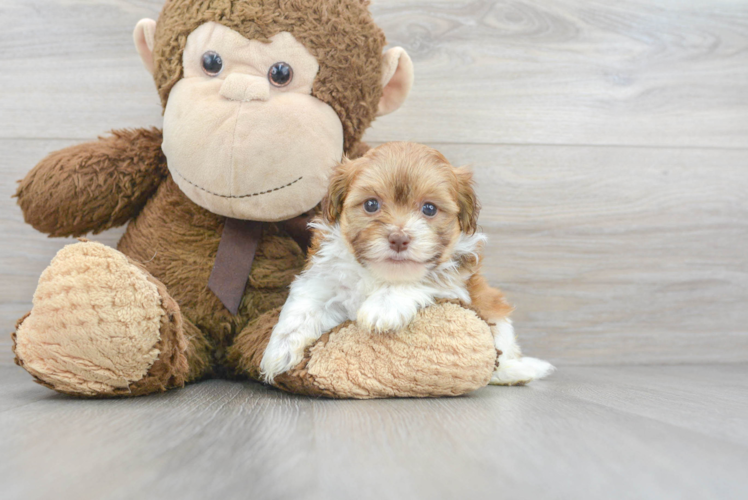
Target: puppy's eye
{"x": 371, "y": 206}
{"x": 280, "y": 74}
{"x": 428, "y": 209}
{"x": 212, "y": 63}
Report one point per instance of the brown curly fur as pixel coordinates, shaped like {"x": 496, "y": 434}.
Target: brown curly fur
{"x": 92, "y": 187}
{"x": 177, "y": 241}
{"x": 340, "y": 33}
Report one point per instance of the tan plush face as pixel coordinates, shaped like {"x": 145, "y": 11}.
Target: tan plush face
{"x": 243, "y": 135}
{"x": 401, "y": 209}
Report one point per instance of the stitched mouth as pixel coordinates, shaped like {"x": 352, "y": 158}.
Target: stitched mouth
{"x": 249, "y": 195}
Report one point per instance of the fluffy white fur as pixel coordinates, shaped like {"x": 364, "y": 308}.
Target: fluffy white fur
{"x": 336, "y": 288}
{"x": 513, "y": 368}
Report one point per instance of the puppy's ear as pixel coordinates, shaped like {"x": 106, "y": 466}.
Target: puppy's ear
{"x": 467, "y": 200}
{"x": 332, "y": 205}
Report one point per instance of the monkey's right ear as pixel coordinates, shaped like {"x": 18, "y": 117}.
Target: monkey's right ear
{"x": 144, "y": 36}
{"x": 397, "y": 80}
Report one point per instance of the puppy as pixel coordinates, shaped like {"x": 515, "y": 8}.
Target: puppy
{"x": 398, "y": 232}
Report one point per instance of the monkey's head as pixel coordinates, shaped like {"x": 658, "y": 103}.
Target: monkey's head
{"x": 262, "y": 98}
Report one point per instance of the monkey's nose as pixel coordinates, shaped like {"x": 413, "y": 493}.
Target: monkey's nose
{"x": 244, "y": 88}
{"x": 399, "y": 241}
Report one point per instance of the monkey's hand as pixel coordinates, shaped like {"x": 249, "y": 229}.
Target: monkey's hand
{"x": 94, "y": 186}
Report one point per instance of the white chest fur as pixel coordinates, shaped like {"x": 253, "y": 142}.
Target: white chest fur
{"x": 347, "y": 284}
{"x": 336, "y": 288}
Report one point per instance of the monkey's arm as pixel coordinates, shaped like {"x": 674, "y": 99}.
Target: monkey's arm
{"x": 94, "y": 186}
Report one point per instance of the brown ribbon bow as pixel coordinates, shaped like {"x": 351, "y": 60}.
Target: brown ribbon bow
{"x": 236, "y": 253}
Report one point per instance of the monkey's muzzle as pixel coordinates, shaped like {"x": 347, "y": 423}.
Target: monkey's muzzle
{"x": 245, "y": 88}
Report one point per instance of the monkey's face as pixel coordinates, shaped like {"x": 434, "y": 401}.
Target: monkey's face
{"x": 243, "y": 135}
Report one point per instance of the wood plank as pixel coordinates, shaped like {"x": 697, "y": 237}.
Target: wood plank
{"x": 611, "y": 255}
{"x": 624, "y": 432}
{"x": 572, "y": 72}
{"x": 75, "y": 70}
{"x": 17, "y": 389}
{"x": 539, "y": 443}
{"x": 110, "y": 449}
{"x": 526, "y": 72}
{"x": 688, "y": 397}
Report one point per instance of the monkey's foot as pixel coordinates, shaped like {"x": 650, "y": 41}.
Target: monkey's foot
{"x": 447, "y": 350}
{"x": 101, "y": 326}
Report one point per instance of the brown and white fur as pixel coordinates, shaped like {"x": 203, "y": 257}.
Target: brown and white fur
{"x": 398, "y": 232}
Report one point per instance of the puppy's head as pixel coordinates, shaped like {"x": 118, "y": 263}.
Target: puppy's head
{"x": 401, "y": 208}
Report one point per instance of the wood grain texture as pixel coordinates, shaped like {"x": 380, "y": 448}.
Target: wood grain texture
{"x": 588, "y": 432}
{"x": 75, "y": 70}
{"x": 489, "y": 71}
{"x": 658, "y": 73}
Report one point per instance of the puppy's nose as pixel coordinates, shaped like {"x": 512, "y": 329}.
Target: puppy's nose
{"x": 239, "y": 87}
{"x": 399, "y": 241}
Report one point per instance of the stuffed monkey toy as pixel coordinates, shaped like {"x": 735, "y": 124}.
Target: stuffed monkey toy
{"x": 261, "y": 100}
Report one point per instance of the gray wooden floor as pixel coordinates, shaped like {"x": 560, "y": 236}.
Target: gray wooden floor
{"x": 655, "y": 432}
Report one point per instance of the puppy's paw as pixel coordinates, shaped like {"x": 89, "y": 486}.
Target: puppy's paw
{"x": 382, "y": 316}
{"x": 520, "y": 371}
{"x": 284, "y": 351}
{"x": 279, "y": 357}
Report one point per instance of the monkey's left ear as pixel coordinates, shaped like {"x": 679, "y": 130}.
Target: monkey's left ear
{"x": 144, "y": 36}
{"x": 397, "y": 80}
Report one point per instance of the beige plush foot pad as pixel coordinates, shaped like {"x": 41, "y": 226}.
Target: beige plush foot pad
{"x": 446, "y": 351}
{"x": 101, "y": 326}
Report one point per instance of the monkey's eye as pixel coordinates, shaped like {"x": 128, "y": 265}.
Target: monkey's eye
{"x": 280, "y": 74}
{"x": 371, "y": 206}
{"x": 428, "y": 209}
{"x": 212, "y": 63}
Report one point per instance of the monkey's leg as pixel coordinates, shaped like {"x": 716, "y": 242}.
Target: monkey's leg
{"x": 102, "y": 326}
{"x": 246, "y": 352}
{"x": 199, "y": 352}
{"x": 447, "y": 350}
